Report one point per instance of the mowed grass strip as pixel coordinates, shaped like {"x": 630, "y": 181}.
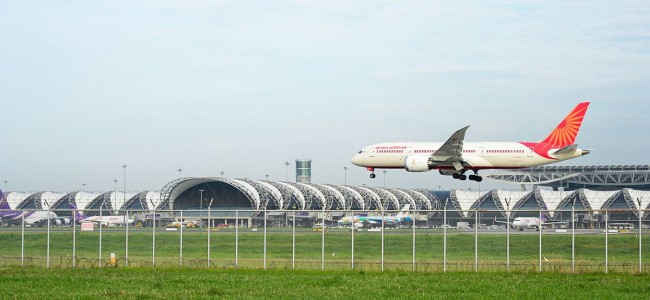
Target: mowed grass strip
{"x": 178, "y": 283}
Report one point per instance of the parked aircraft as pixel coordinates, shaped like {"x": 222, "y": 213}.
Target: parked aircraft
{"x": 369, "y": 222}
{"x": 455, "y": 157}
{"x": 103, "y": 220}
{"x": 30, "y": 217}
{"x": 521, "y": 223}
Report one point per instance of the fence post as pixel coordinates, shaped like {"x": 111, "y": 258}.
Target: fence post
{"x": 101, "y": 216}
{"x": 322, "y": 248}
{"x": 48, "y": 234}
{"x": 382, "y": 236}
{"x": 153, "y": 245}
{"x": 237, "y": 239}
{"x": 508, "y": 235}
{"x": 413, "y": 247}
{"x": 606, "y": 242}
{"x": 476, "y": 240}
{"x": 353, "y": 228}
{"x": 126, "y": 239}
{"x": 573, "y": 237}
{"x": 74, "y": 238}
{"x": 293, "y": 242}
{"x": 540, "y": 240}
{"x": 209, "y": 229}
{"x": 265, "y": 238}
{"x": 22, "y": 241}
{"x": 180, "y": 255}
{"x": 640, "y": 240}
{"x": 444, "y": 238}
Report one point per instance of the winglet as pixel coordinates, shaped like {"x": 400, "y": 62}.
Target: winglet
{"x": 565, "y": 133}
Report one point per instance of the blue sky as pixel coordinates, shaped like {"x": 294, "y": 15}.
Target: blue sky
{"x": 243, "y": 86}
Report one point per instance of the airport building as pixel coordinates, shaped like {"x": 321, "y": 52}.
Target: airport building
{"x": 622, "y": 190}
{"x": 603, "y": 178}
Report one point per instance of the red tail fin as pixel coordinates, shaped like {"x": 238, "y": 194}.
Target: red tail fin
{"x": 565, "y": 133}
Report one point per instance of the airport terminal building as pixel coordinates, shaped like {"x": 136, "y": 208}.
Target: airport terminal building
{"x": 622, "y": 189}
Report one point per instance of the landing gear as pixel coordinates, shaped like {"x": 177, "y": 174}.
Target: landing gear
{"x": 461, "y": 176}
{"x": 372, "y": 169}
{"x": 475, "y": 178}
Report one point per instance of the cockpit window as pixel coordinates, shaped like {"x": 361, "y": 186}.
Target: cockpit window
{"x": 360, "y": 151}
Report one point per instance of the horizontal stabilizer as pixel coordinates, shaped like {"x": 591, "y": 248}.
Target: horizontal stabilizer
{"x": 567, "y": 149}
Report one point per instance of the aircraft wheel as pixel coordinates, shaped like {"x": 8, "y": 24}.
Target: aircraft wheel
{"x": 478, "y": 178}
{"x": 372, "y": 175}
{"x": 462, "y": 177}
{"x": 455, "y": 175}
{"x": 472, "y": 177}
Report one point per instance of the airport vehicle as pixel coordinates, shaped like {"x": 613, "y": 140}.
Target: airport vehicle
{"x": 521, "y": 223}
{"x": 102, "y": 220}
{"x": 370, "y": 222}
{"x": 455, "y": 156}
{"x": 30, "y": 217}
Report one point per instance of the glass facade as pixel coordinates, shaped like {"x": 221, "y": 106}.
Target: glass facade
{"x": 303, "y": 170}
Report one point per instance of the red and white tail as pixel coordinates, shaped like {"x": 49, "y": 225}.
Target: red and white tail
{"x": 565, "y": 133}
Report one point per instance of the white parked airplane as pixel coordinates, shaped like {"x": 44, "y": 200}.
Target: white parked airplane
{"x": 103, "y": 220}
{"x": 454, "y": 157}
{"x": 521, "y": 223}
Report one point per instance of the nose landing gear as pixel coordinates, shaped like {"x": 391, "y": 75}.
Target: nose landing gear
{"x": 372, "y": 169}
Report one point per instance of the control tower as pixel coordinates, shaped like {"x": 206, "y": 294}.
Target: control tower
{"x": 303, "y": 170}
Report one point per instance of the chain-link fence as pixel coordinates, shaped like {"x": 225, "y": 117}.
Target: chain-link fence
{"x": 568, "y": 241}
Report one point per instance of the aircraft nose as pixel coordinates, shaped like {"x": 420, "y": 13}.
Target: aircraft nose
{"x": 356, "y": 159}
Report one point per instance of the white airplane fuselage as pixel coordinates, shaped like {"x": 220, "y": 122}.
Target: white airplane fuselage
{"x": 485, "y": 155}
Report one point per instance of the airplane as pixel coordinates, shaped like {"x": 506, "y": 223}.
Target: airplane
{"x": 30, "y": 217}
{"x": 369, "y": 222}
{"x": 455, "y": 156}
{"x": 103, "y": 220}
{"x": 520, "y": 223}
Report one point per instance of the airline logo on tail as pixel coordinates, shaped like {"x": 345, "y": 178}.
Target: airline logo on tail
{"x": 3, "y": 202}
{"x": 565, "y": 133}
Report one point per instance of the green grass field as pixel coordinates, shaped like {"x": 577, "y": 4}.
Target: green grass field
{"x": 398, "y": 250}
{"x": 184, "y": 283}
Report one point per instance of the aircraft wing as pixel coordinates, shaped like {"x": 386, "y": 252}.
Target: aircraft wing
{"x": 451, "y": 152}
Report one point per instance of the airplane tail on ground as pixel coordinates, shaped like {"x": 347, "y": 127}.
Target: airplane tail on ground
{"x": 77, "y": 216}
{"x": 4, "y": 205}
{"x": 565, "y": 133}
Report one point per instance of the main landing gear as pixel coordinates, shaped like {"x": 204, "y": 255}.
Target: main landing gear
{"x": 371, "y": 169}
{"x": 461, "y": 176}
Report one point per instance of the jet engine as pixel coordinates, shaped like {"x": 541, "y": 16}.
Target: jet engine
{"x": 416, "y": 163}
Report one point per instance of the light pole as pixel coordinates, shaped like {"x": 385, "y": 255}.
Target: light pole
{"x": 115, "y": 191}
{"x": 221, "y": 173}
{"x": 286, "y": 177}
{"x": 83, "y": 187}
{"x": 124, "y": 183}
{"x": 384, "y": 171}
{"x": 5, "y": 185}
{"x": 201, "y": 200}
{"x": 345, "y": 175}
{"x": 179, "y": 173}
{"x": 267, "y": 176}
